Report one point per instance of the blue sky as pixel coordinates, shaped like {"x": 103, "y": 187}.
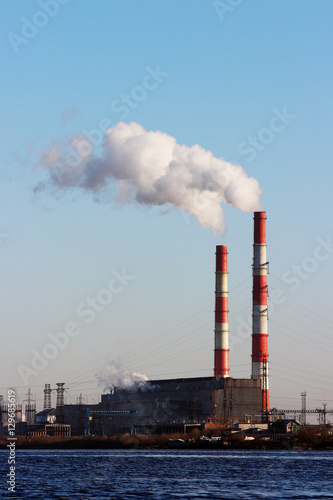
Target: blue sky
{"x": 225, "y": 77}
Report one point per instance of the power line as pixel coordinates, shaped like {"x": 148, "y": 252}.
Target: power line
{"x": 312, "y": 299}
{"x": 297, "y": 340}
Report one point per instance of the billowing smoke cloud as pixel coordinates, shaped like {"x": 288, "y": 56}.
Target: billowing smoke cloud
{"x": 114, "y": 376}
{"x": 152, "y": 169}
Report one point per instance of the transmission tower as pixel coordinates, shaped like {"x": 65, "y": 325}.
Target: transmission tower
{"x": 60, "y": 394}
{"x": 60, "y": 402}
{"x": 264, "y": 392}
{"x": 231, "y": 411}
{"x": 224, "y": 405}
{"x": 30, "y": 408}
{"x": 47, "y": 397}
{"x": 80, "y": 420}
{"x": 303, "y": 412}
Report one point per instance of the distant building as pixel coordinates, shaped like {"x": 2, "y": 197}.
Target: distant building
{"x": 4, "y": 413}
{"x": 286, "y": 426}
{"x": 51, "y": 430}
{"x": 46, "y": 416}
{"x": 46, "y": 425}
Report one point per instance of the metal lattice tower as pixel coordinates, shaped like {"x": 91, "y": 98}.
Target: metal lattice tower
{"x": 224, "y": 406}
{"x": 60, "y": 394}
{"x": 80, "y": 420}
{"x": 324, "y": 413}
{"x": 47, "y": 397}
{"x": 227, "y": 405}
{"x": 231, "y": 411}
{"x": 303, "y": 413}
{"x": 60, "y": 402}
{"x": 30, "y": 408}
{"x": 264, "y": 392}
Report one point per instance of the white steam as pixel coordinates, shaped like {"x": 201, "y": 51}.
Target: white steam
{"x": 116, "y": 377}
{"x": 152, "y": 169}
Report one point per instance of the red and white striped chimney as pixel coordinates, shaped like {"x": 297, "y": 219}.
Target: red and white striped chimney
{"x": 221, "y": 363}
{"x": 259, "y": 311}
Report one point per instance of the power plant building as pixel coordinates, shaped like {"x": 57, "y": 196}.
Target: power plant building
{"x": 219, "y": 398}
{"x": 155, "y": 405}
{"x": 189, "y": 400}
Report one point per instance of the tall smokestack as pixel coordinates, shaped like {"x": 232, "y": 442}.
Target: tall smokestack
{"x": 259, "y": 311}
{"x": 221, "y": 363}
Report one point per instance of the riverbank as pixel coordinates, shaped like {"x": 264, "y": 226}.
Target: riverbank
{"x": 296, "y": 442}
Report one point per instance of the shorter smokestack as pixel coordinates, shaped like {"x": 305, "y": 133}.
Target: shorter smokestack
{"x": 221, "y": 363}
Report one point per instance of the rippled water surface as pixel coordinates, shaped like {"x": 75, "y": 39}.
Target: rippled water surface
{"x": 164, "y": 474}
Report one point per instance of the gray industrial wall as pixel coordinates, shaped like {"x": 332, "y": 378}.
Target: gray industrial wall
{"x": 173, "y": 401}
{"x": 166, "y": 401}
{"x": 188, "y": 400}
{"x": 240, "y": 399}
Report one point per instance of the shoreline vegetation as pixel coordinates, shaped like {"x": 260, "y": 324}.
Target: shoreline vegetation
{"x": 305, "y": 440}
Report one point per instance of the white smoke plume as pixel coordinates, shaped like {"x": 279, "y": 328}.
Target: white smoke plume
{"x": 114, "y": 376}
{"x": 152, "y": 169}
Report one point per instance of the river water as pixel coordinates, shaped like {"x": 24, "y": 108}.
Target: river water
{"x": 168, "y": 474}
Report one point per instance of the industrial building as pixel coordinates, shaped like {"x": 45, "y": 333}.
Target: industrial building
{"x": 219, "y": 398}
{"x": 159, "y": 405}
{"x": 178, "y": 404}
